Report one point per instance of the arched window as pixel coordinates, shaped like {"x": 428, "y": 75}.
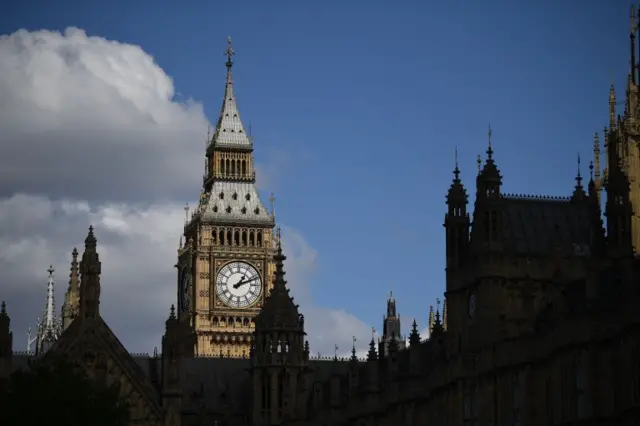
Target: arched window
{"x": 259, "y": 242}
{"x": 244, "y": 237}
{"x": 236, "y": 240}
{"x": 222, "y": 166}
{"x": 244, "y": 167}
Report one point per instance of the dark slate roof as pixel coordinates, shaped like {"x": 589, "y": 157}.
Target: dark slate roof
{"x": 535, "y": 225}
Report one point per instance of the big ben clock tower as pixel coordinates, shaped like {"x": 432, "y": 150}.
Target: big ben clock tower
{"x": 225, "y": 266}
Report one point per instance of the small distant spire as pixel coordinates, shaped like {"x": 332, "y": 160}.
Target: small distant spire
{"x": 579, "y": 175}
{"x": 3, "y": 308}
{"x": 335, "y": 352}
{"x": 372, "y": 355}
{"x": 590, "y": 170}
{"x": 229, "y": 53}
{"x": 414, "y": 337}
{"x": 479, "y": 161}
{"x": 172, "y": 312}
{"x": 278, "y": 238}
{"x": 489, "y": 148}
{"x": 186, "y": 213}
{"x": 353, "y": 350}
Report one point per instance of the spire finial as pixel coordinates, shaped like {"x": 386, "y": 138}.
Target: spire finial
{"x": 479, "y": 161}
{"x": 591, "y": 170}
{"x": 278, "y": 238}
{"x": 172, "y": 311}
{"x": 353, "y": 347}
{"x": 229, "y": 53}
{"x": 489, "y": 149}
{"x": 186, "y": 213}
{"x": 51, "y": 270}
{"x": 373, "y": 333}
{"x": 579, "y": 175}
{"x": 272, "y": 200}
{"x": 91, "y": 238}
{"x": 335, "y": 352}
{"x": 456, "y": 170}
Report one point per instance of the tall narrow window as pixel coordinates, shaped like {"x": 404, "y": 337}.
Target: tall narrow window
{"x": 581, "y": 388}
{"x": 517, "y": 396}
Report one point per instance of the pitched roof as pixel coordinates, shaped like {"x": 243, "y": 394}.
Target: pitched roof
{"x": 535, "y": 225}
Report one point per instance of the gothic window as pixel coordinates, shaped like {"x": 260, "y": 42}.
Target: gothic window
{"x": 215, "y": 322}
{"x": 233, "y": 167}
{"x": 469, "y": 408}
{"x": 517, "y": 396}
{"x": 259, "y": 242}
{"x": 244, "y": 237}
{"x": 251, "y": 238}
{"x": 247, "y": 197}
{"x": 235, "y": 196}
{"x": 228, "y": 165}
{"x": 582, "y": 402}
{"x": 244, "y": 167}
{"x": 215, "y": 209}
{"x": 231, "y": 322}
{"x": 245, "y": 323}
{"x": 256, "y": 210}
{"x": 549, "y": 401}
{"x": 243, "y": 210}
{"x": 636, "y": 377}
{"x": 236, "y": 239}
{"x": 214, "y": 236}
{"x": 228, "y": 209}
{"x": 229, "y": 238}
{"x": 221, "y": 195}
{"x": 222, "y": 166}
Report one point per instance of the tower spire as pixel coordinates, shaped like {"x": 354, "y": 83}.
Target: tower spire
{"x": 579, "y": 194}
{"x": 48, "y": 328}
{"x": 229, "y": 131}
{"x": 71, "y": 303}
{"x": 632, "y": 38}
{"x": 90, "y": 268}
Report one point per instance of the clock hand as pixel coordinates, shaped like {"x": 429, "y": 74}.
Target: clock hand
{"x": 242, "y": 282}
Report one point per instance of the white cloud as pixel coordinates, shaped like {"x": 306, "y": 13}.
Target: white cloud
{"x": 91, "y": 134}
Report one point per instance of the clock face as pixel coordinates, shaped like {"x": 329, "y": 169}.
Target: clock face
{"x": 472, "y": 305}
{"x": 184, "y": 291}
{"x": 238, "y": 285}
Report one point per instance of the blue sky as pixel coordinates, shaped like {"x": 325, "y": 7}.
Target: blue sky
{"x": 360, "y": 108}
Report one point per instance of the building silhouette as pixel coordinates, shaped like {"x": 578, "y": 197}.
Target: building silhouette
{"x": 539, "y": 325}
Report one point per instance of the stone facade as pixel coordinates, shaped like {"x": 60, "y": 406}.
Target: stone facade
{"x": 541, "y": 324}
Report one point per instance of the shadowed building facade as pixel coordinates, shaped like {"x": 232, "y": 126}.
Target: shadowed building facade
{"x": 540, "y": 324}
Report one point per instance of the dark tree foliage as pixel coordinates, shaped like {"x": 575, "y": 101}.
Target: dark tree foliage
{"x": 58, "y": 393}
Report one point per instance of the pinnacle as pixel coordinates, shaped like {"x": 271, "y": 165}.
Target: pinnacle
{"x": 3, "y": 308}
{"x": 90, "y": 241}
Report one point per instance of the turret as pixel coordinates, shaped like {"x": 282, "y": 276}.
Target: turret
{"x": 6, "y": 346}
{"x": 90, "y": 269}
{"x": 456, "y": 222}
{"x": 390, "y": 327}
{"x": 279, "y": 355}
{"x": 487, "y": 223}
{"x": 171, "y": 359}
{"x": 618, "y": 209}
